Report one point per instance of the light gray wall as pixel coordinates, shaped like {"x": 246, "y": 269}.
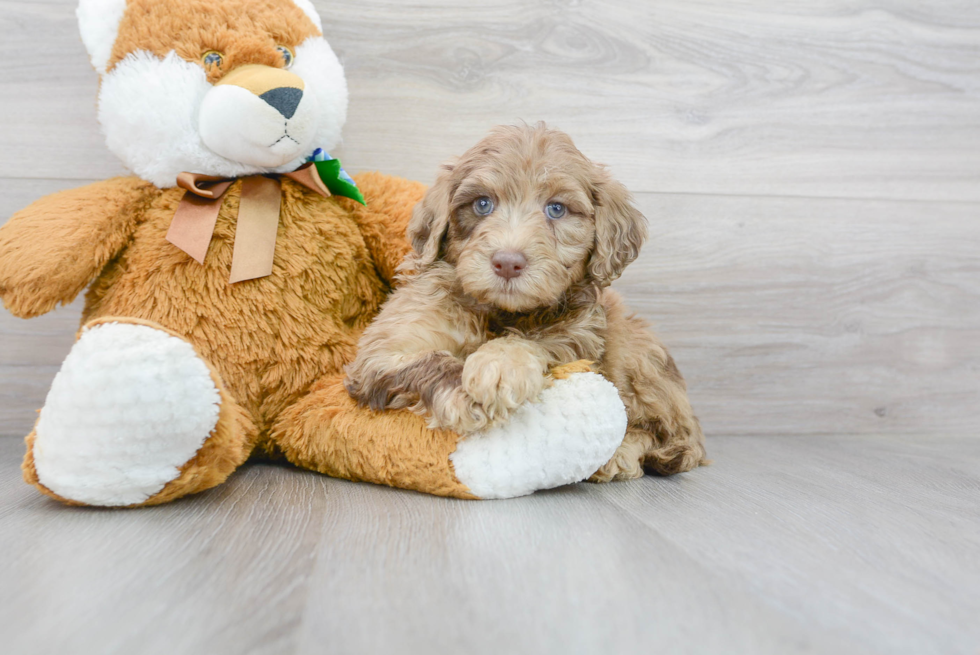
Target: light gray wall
{"x": 811, "y": 172}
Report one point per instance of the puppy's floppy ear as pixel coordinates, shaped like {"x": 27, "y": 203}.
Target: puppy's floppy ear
{"x": 620, "y": 229}
{"x": 430, "y": 220}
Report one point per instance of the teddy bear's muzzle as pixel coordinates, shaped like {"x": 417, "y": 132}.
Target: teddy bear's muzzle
{"x": 259, "y": 116}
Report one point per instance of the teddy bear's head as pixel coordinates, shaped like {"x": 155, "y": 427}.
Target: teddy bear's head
{"x": 216, "y": 87}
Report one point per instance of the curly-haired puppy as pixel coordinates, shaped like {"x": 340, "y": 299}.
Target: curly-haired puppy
{"x": 516, "y": 245}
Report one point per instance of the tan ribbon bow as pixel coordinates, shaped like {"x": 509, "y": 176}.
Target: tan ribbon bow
{"x": 258, "y": 217}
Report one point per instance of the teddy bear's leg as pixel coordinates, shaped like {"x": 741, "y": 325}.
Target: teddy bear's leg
{"x": 574, "y": 429}
{"x": 327, "y": 431}
{"x": 134, "y": 417}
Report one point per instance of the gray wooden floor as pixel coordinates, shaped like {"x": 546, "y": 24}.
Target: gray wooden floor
{"x": 811, "y": 172}
{"x": 785, "y": 545}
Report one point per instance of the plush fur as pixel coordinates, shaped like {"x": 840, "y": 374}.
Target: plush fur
{"x": 124, "y": 382}
{"x": 173, "y": 362}
{"x": 466, "y": 342}
{"x": 270, "y": 339}
{"x": 530, "y": 459}
{"x": 98, "y": 23}
{"x": 157, "y": 95}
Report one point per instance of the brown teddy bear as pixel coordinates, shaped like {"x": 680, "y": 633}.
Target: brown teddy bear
{"x": 230, "y": 278}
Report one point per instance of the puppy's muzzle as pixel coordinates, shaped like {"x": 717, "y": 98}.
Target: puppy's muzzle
{"x": 508, "y": 264}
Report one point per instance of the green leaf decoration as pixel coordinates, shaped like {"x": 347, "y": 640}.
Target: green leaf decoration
{"x": 330, "y": 174}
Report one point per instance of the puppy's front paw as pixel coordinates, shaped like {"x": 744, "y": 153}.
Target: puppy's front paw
{"x": 453, "y": 409}
{"x": 504, "y": 374}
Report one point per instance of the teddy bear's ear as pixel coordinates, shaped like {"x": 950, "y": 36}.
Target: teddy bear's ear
{"x": 310, "y": 11}
{"x": 98, "y": 21}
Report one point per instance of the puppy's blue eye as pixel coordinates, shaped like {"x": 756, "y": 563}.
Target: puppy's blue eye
{"x": 555, "y": 210}
{"x": 287, "y": 55}
{"x": 482, "y": 206}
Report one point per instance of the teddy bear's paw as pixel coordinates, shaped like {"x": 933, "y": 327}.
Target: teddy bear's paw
{"x": 130, "y": 406}
{"x": 566, "y": 437}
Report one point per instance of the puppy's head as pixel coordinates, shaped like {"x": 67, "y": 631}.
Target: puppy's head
{"x": 523, "y": 216}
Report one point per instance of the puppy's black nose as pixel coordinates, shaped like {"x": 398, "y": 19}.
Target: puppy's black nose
{"x": 508, "y": 264}
{"x": 285, "y": 99}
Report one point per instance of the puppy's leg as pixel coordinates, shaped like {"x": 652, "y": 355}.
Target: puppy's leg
{"x": 409, "y": 357}
{"x": 627, "y": 463}
{"x": 429, "y": 383}
{"x": 504, "y": 373}
{"x": 663, "y": 434}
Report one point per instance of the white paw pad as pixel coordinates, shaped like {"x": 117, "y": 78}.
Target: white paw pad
{"x": 129, "y": 407}
{"x": 574, "y": 429}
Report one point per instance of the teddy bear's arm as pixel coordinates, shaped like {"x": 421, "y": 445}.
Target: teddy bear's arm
{"x": 51, "y": 250}
{"x": 384, "y": 220}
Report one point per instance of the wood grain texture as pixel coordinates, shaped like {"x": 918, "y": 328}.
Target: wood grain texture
{"x": 225, "y": 573}
{"x": 810, "y": 171}
{"x": 786, "y": 315}
{"x": 789, "y": 315}
{"x": 808, "y": 316}
{"x": 843, "y": 544}
{"x": 842, "y": 98}
{"x": 31, "y": 352}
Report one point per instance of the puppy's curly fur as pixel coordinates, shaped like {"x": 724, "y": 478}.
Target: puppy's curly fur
{"x": 516, "y": 245}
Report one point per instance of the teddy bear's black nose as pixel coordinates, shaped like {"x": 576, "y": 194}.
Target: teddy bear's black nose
{"x": 285, "y": 99}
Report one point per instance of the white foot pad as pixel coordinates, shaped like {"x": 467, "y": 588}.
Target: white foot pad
{"x": 130, "y": 406}
{"x": 575, "y": 428}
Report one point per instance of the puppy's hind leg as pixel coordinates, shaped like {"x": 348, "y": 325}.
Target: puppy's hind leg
{"x": 644, "y": 449}
{"x": 667, "y": 441}
{"x": 663, "y": 435}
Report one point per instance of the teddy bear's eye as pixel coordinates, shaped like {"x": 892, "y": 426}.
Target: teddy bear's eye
{"x": 287, "y": 55}
{"x": 212, "y": 58}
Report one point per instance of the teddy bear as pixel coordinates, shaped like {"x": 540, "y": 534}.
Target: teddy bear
{"x": 229, "y": 278}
